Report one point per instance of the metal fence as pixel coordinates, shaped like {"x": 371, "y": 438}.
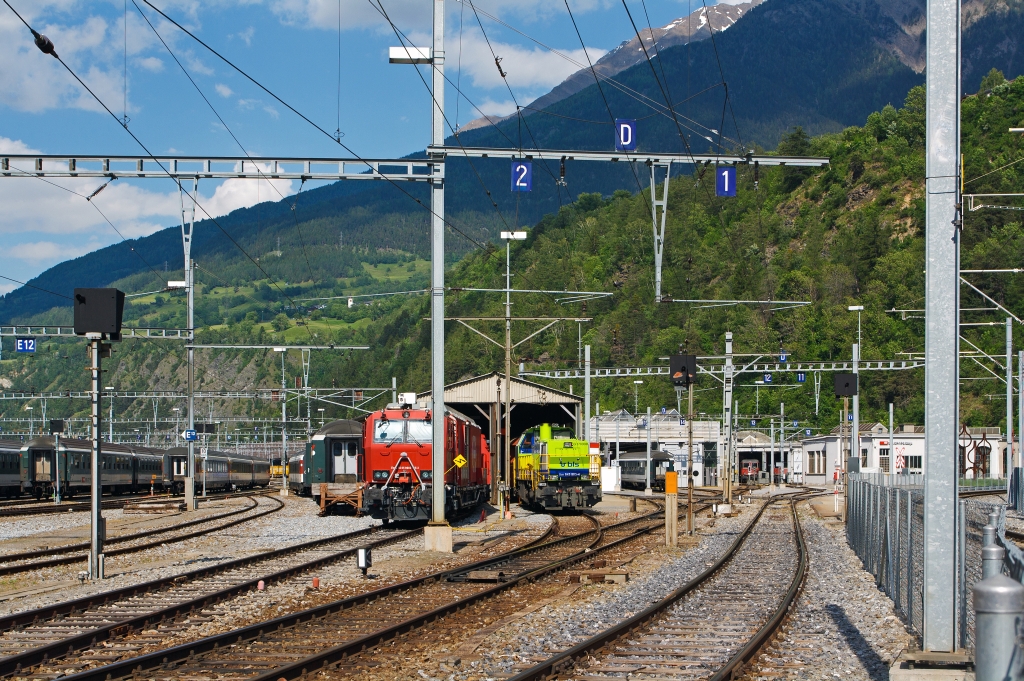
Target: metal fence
{"x": 885, "y": 528}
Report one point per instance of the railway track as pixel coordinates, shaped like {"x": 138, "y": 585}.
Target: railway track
{"x": 288, "y": 645}
{"x": 13, "y": 563}
{"x": 24, "y": 507}
{"x": 29, "y": 638}
{"x": 708, "y": 628}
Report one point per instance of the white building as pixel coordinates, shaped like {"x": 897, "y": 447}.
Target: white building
{"x": 620, "y": 431}
{"x": 981, "y": 452}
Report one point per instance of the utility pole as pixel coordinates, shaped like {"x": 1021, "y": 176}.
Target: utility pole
{"x": 943, "y": 220}
{"x": 689, "y": 455}
{"x": 727, "y": 414}
{"x": 438, "y": 534}
{"x": 1009, "y": 404}
{"x": 284, "y": 430}
{"x": 650, "y": 473}
{"x": 855, "y": 432}
{"x": 586, "y": 393}
{"x": 186, "y": 241}
{"x": 98, "y": 530}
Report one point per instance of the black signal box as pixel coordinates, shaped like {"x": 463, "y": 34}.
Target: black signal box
{"x": 846, "y": 385}
{"x": 683, "y": 370}
{"x": 99, "y": 310}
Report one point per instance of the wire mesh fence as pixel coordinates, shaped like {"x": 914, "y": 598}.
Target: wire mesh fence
{"x": 885, "y": 528}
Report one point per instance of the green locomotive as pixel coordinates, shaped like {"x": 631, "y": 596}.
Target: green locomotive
{"x": 555, "y": 471}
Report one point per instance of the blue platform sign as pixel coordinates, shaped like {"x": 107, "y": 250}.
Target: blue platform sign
{"x": 725, "y": 181}
{"x": 625, "y": 134}
{"x": 522, "y": 176}
{"x": 796, "y": 424}
{"x": 25, "y": 344}
{"x": 753, "y": 423}
{"x": 807, "y": 432}
{"x": 801, "y": 377}
{"x": 783, "y": 356}
{"x": 190, "y": 436}
{"x": 849, "y": 417}
{"x": 767, "y": 378}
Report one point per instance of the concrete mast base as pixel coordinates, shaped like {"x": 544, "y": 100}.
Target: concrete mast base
{"x": 438, "y": 538}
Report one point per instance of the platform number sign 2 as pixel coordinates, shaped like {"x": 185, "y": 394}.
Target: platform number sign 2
{"x": 625, "y": 134}
{"x": 25, "y": 345}
{"x": 522, "y": 176}
{"x": 725, "y": 181}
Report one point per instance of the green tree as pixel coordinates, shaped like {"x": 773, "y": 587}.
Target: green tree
{"x": 280, "y": 322}
{"x": 992, "y": 78}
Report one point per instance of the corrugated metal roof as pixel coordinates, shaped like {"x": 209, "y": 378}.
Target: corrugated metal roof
{"x": 484, "y": 390}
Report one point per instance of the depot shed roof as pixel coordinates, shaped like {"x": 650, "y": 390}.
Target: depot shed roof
{"x": 485, "y": 390}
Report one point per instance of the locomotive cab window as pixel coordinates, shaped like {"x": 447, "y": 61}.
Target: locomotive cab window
{"x": 419, "y": 432}
{"x": 387, "y": 431}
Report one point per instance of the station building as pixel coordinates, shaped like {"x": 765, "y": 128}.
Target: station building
{"x": 620, "y": 431}
{"x": 981, "y": 452}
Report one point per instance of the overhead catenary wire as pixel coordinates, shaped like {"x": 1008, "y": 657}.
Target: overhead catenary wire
{"x": 640, "y": 97}
{"x": 38, "y": 288}
{"x": 92, "y": 203}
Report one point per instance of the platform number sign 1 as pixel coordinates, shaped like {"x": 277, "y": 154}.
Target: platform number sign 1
{"x": 522, "y": 176}
{"x": 25, "y": 344}
{"x": 725, "y": 181}
{"x": 625, "y": 134}
{"x": 801, "y": 377}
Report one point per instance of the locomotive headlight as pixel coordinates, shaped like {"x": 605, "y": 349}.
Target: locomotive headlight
{"x": 380, "y": 475}
{"x": 427, "y": 475}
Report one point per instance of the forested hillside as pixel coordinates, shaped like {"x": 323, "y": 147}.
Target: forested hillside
{"x": 846, "y": 234}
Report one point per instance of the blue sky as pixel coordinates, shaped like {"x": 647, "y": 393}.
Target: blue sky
{"x": 292, "y": 47}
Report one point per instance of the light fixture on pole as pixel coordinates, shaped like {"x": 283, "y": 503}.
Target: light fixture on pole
{"x": 636, "y": 396}
{"x": 757, "y": 397}
{"x": 31, "y": 423}
{"x": 321, "y": 410}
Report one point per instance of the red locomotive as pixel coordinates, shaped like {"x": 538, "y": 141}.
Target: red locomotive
{"x": 397, "y": 458}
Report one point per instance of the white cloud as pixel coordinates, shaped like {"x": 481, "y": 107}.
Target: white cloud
{"x": 46, "y": 251}
{"x": 151, "y": 64}
{"x": 245, "y": 36}
{"x": 411, "y": 15}
{"x": 223, "y": 90}
{"x": 526, "y": 68}
{"x": 52, "y": 225}
{"x": 272, "y": 111}
{"x": 493, "y": 108}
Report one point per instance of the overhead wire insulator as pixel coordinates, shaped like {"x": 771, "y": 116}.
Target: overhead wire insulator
{"x": 497, "y": 62}
{"x": 561, "y": 173}
{"x": 44, "y": 44}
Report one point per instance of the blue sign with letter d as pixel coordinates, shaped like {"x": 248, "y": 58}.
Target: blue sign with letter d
{"x": 625, "y": 134}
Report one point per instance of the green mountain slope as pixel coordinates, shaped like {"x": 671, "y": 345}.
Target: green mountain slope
{"x": 846, "y": 234}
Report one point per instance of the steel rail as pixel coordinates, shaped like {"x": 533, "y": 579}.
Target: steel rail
{"x": 12, "y": 508}
{"x": 137, "y": 665}
{"x": 15, "y": 664}
{"x": 559, "y": 662}
{"x": 753, "y": 646}
{"x": 68, "y": 560}
{"x": 69, "y": 548}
